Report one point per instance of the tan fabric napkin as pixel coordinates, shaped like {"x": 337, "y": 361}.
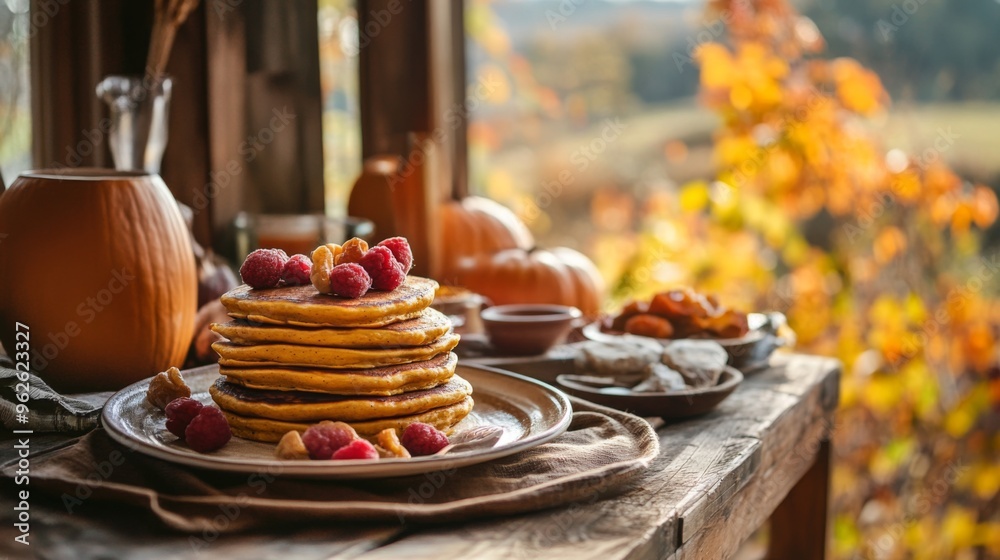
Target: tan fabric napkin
{"x": 603, "y": 451}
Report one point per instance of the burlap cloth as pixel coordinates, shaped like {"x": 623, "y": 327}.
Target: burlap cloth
{"x": 603, "y": 451}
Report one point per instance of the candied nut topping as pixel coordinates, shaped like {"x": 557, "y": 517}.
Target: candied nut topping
{"x": 166, "y": 387}
{"x": 354, "y": 249}
{"x": 388, "y": 441}
{"x": 323, "y": 260}
{"x": 291, "y": 447}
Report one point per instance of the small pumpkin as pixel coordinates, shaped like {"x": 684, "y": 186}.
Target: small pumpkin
{"x": 476, "y": 226}
{"x": 561, "y": 276}
{"x": 98, "y": 265}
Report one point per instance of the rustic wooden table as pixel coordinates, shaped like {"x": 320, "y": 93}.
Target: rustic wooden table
{"x": 763, "y": 454}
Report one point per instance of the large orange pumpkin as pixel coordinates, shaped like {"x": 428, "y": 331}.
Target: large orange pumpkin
{"x": 561, "y": 276}
{"x": 98, "y": 265}
{"x": 476, "y": 226}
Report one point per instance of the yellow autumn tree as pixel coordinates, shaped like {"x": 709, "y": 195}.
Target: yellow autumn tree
{"x": 875, "y": 257}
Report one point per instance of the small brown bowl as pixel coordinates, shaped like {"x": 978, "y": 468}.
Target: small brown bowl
{"x": 527, "y": 329}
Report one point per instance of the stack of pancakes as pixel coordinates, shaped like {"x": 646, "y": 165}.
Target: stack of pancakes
{"x": 294, "y": 357}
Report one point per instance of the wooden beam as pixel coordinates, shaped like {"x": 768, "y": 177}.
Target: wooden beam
{"x": 799, "y": 525}
{"x": 419, "y": 92}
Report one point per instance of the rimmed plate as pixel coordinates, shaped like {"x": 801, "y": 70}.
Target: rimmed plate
{"x": 678, "y": 404}
{"x": 748, "y": 353}
{"x": 529, "y": 411}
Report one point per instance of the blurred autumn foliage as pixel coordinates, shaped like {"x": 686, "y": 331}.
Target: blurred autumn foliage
{"x": 876, "y": 258}
{"x": 875, "y": 255}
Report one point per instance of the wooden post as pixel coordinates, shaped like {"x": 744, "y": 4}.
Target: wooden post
{"x": 412, "y": 79}
{"x": 799, "y": 525}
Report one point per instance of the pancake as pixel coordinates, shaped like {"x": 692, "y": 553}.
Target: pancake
{"x": 386, "y": 380}
{"x": 263, "y": 429}
{"x": 234, "y": 355}
{"x": 304, "y": 306}
{"x": 426, "y": 328}
{"x": 299, "y": 406}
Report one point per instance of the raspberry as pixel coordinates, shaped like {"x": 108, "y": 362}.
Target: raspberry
{"x": 179, "y": 414}
{"x": 357, "y": 449}
{"x": 349, "y": 280}
{"x": 353, "y": 249}
{"x": 400, "y": 248}
{"x": 323, "y": 439}
{"x": 296, "y": 270}
{"x": 208, "y": 431}
{"x": 423, "y": 439}
{"x": 263, "y": 267}
{"x": 386, "y": 273}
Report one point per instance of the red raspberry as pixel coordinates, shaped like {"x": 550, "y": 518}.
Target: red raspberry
{"x": 423, "y": 439}
{"x": 325, "y": 438}
{"x": 296, "y": 271}
{"x": 263, "y": 267}
{"x": 387, "y": 274}
{"x": 400, "y": 248}
{"x": 349, "y": 280}
{"x": 179, "y": 414}
{"x": 357, "y": 449}
{"x": 208, "y": 431}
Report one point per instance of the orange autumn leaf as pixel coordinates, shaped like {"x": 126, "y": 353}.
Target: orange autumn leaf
{"x": 717, "y": 66}
{"x": 984, "y": 206}
{"x": 858, "y": 88}
{"x": 890, "y": 242}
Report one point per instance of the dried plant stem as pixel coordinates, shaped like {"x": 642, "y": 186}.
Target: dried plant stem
{"x": 169, "y": 15}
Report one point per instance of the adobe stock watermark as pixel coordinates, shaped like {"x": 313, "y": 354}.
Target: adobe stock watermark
{"x": 94, "y": 137}
{"x": 42, "y": 13}
{"x": 455, "y": 117}
{"x": 101, "y": 472}
{"x": 223, "y": 7}
{"x": 229, "y": 512}
{"x": 957, "y": 299}
{"x": 924, "y": 501}
{"x": 564, "y": 10}
{"x": 884, "y": 200}
{"x": 379, "y": 20}
{"x": 900, "y": 16}
{"x": 554, "y": 529}
{"x": 87, "y": 311}
{"x": 421, "y": 493}
{"x": 708, "y": 32}
{"x": 580, "y": 158}
{"x": 250, "y": 149}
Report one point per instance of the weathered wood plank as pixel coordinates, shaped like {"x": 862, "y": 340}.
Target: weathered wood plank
{"x": 779, "y": 433}
{"x": 789, "y": 450}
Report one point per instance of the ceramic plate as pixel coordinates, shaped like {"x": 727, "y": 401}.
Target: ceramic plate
{"x": 679, "y": 404}
{"x": 748, "y": 353}
{"x": 529, "y": 411}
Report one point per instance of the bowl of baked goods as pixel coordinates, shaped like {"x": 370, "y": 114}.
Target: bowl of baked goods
{"x": 749, "y": 339}
{"x": 680, "y": 379}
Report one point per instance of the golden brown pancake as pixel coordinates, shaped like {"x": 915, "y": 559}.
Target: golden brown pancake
{"x": 385, "y": 380}
{"x": 426, "y": 328}
{"x": 300, "y": 406}
{"x": 234, "y": 355}
{"x": 263, "y": 429}
{"x": 304, "y": 306}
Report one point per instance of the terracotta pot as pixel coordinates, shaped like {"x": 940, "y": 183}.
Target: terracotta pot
{"x": 98, "y": 265}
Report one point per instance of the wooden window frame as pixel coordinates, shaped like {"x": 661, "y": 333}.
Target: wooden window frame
{"x": 412, "y": 81}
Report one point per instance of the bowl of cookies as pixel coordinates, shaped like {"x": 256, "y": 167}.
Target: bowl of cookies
{"x": 749, "y": 339}
{"x": 681, "y": 379}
